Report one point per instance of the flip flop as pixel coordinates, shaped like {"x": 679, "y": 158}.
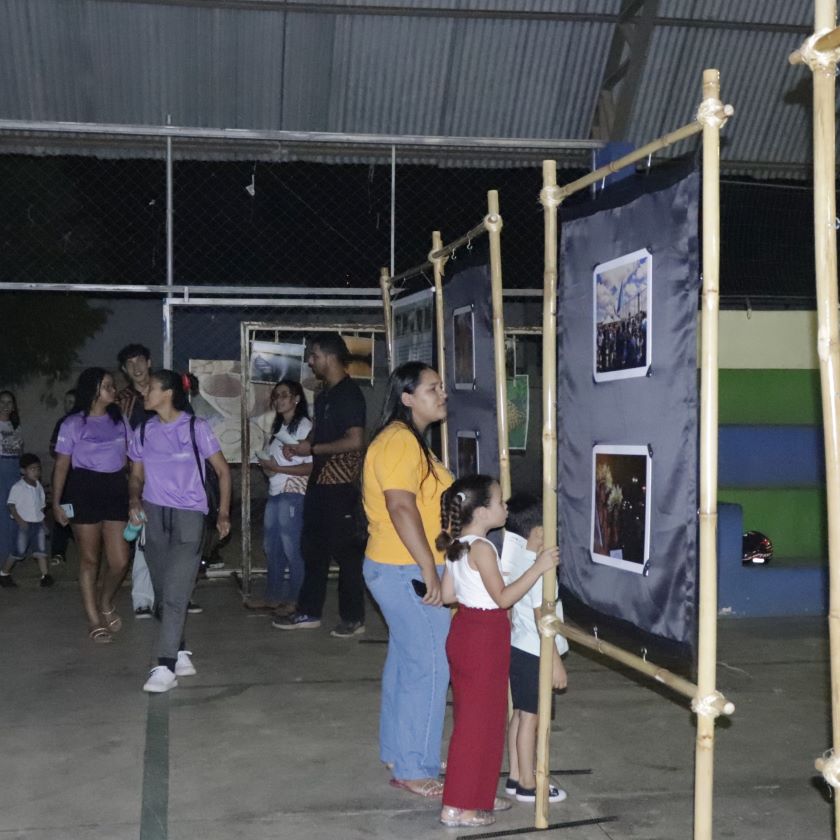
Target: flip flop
{"x": 100, "y": 636}
{"x": 427, "y": 788}
{"x": 112, "y": 621}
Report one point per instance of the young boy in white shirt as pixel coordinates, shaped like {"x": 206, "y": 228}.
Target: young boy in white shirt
{"x": 523, "y": 541}
{"x": 26, "y": 506}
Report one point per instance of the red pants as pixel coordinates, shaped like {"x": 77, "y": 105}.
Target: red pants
{"x": 478, "y": 648}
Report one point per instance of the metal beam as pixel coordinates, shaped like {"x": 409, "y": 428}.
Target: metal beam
{"x": 187, "y": 291}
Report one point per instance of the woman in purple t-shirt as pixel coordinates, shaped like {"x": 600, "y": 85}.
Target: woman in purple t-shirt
{"x": 93, "y": 439}
{"x": 169, "y": 454}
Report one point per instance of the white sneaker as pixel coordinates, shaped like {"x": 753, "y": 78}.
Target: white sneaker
{"x": 183, "y": 664}
{"x": 161, "y": 679}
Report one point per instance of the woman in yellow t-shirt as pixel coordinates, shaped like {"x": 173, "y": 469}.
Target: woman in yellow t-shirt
{"x": 403, "y": 483}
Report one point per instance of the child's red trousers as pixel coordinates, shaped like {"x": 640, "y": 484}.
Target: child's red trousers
{"x": 478, "y": 648}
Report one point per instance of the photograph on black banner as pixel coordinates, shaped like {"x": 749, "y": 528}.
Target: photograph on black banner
{"x": 468, "y": 457}
{"x": 510, "y": 355}
{"x": 621, "y": 507}
{"x": 621, "y": 336}
{"x": 272, "y": 361}
{"x": 463, "y": 328}
{"x": 361, "y": 356}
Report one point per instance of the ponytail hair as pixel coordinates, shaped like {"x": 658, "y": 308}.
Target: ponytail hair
{"x": 179, "y": 384}
{"x": 457, "y": 508}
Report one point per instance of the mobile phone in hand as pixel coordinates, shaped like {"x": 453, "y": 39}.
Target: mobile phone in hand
{"x": 68, "y": 510}
{"x": 419, "y": 588}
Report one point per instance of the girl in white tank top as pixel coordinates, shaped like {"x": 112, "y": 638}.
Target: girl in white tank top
{"x": 478, "y": 646}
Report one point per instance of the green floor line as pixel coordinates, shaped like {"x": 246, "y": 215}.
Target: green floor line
{"x": 154, "y": 813}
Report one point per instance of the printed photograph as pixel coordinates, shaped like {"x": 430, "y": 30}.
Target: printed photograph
{"x": 621, "y": 507}
{"x": 518, "y": 411}
{"x": 622, "y": 325}
{"x": 463, "y": 328}
{"x": 510, "y": 355}
{"x": 361, "y": 356}
{"x": 467, "y": 450}
{"x": 272, "y": 361}
{"x": 413, "y": 328}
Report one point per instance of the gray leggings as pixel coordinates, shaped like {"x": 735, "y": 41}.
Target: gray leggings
{"x": 173, "y": 553}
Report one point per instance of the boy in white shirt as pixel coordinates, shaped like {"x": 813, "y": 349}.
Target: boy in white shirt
{"x": 26, "y": 506}
{"x": 523, "y": 541}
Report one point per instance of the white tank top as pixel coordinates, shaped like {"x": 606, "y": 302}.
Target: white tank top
{"x": 469, "y": 588}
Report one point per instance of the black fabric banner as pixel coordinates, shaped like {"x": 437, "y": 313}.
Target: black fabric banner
{"x": 627, "y": 409}
{"x": 470, "y": 371}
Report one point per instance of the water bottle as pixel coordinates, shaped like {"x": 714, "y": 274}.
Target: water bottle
{"x": 131, "y": 532}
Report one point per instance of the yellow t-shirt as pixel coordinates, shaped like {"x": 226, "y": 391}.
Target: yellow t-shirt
{"x": 395, "y": 461}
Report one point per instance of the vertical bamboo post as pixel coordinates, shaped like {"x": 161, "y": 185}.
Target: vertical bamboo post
{"x": 550, "y": 200}
{"x": 385, "y": 285}
{"x": 438, "y": 263}
{"x": 711, "y": 115}
{"x": 823, "y": 65}
{"x": 493, "y": 223}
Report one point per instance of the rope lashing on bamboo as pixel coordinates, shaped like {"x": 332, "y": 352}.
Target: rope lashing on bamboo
{"x": 820, "y": 61}
{"x": 714, "y": 113}
{"x": 551, "y": 196}
{"x": 829, "y": 765}
{"x": 492, "y": 223}
{"x": 712, "y": 705}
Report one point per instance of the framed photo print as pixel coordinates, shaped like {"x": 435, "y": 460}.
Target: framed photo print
{"x": 620, "y": 532}
{"x": 272, "y": 361}
{"x": 463, "y": 328}
{"x": 469, "y": 462}
{"x": 622, "y": 330}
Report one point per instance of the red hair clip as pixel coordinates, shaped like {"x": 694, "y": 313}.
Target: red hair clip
{"x": 185, "y": 381}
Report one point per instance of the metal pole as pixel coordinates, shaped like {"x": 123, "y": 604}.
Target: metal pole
{"x": 245, "y": 475}
{"x": 393, "y": 206}
{"x": 438, "y": 263}
{"x": 387, "y": 309}
{"x": 170, "y": 270}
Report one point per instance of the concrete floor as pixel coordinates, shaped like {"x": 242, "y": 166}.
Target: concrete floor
{"x": 276, "y": 735}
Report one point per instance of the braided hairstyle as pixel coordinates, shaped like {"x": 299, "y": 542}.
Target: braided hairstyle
{"x": 457, "y": 508}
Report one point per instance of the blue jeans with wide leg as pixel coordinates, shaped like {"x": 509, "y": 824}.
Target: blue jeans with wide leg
{"x": 416, "y": 674}
{"x": 282, "y": 525}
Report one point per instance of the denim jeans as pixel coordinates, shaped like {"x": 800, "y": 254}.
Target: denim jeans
{"x": 416, "y": 674}
{"x": 282, "y": 523}
{"x": 29, "y": 539}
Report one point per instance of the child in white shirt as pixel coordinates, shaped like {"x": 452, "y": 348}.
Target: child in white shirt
{"x": 523, "y": 542}
{"x": 26, "y": 506}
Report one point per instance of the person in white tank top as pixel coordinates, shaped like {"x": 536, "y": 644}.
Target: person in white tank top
{"x": 478, "y": 646}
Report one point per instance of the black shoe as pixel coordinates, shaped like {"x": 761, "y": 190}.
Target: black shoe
{"x": 7, "y": 582}
{"x": 194, "y": 609}
{"x": 143, "y": 612}
{"x": 47, "y": 580}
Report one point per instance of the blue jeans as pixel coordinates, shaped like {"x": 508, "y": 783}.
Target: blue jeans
{"x": 9, "y": 474}
{"x": 282, "y": 523}
{"x": 416, "y": 674}
{"x": 29, "y": 539}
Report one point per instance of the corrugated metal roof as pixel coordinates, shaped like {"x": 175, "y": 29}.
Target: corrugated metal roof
{"x": 473, "y": 68}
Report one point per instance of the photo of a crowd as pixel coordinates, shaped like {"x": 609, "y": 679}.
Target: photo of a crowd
{"x": 622, "y": 317}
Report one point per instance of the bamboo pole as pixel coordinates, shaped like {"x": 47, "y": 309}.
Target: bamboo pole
{"x": 634, "y": 157}
{"x": 823, "y": 66}
{"x": 438, "y": 261}
{"x": 550, "y": 623}
{"x": 493, "y": 224}
{"x": 245, "y": 447}
{"x": 550, "y": 200}
{"x": 385, "y": 285}
{"x": 712, "y": 115}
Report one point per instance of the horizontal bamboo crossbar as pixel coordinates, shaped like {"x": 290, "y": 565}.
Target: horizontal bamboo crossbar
{"x": 661, "y": 675}
{"x": 449, "y": 249}
{"x": 634, "y": 157}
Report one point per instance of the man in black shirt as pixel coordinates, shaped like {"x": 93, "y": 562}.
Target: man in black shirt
{"x": 61, "y": 534}
{"x": 331, "y": 508}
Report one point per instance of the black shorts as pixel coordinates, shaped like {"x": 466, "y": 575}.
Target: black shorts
{"x": 524, "y": 680}
{"x": 96, "y": 497}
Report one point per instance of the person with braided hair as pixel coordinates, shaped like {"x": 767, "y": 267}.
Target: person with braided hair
{"x": 478, "y": 646}
{"x": 403, "y": 484}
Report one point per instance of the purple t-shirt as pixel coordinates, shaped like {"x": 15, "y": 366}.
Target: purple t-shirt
{"x": 93, "y": 443}
{"x": 168, "y": 458}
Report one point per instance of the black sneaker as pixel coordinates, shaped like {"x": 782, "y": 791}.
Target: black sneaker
{"x": 47, "y": 580}
{"x": 510, "y": 786}
{"x": 347, "y": 629}
{"x": 194, "y": 609}
{"x": 555, "y": 794}
{"x": 296, "y": 621}
{"x": 7, "y": 582}
{"x": 143, "y": 612}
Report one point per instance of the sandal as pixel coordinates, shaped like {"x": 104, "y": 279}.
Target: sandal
{"x": 112, "y": 621}
{"x": 427, "y": 788}
{"x": 100, "y": 636}
{"x": 454, "y": 818}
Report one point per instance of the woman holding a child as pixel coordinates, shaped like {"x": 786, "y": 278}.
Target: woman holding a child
{"x": 403, "y": 484}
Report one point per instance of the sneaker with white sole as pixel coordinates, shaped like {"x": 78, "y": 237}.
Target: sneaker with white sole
{"x": 161, "y": 679}
{"x": 183, "y": 664}
{"x": 296, "y": 621}
{"x": 347, "y": 629}
{"x": 555, "y": 794}
{"x": 510, "y": 786}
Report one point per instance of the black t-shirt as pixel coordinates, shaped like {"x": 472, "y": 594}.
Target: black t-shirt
{"x": 138, "y": 412}
{"x": 337, "y": 409}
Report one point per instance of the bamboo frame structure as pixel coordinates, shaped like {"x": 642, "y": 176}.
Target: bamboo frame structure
{"x": 820, "y": 53}
{"x": 438, "y": 260}
{"x": 707, "y": 702}
{"x": 493, "y": 225}
{"x": 385, "y": 285}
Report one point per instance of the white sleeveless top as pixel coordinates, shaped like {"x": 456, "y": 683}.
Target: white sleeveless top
{"x": 469, "y": 588}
